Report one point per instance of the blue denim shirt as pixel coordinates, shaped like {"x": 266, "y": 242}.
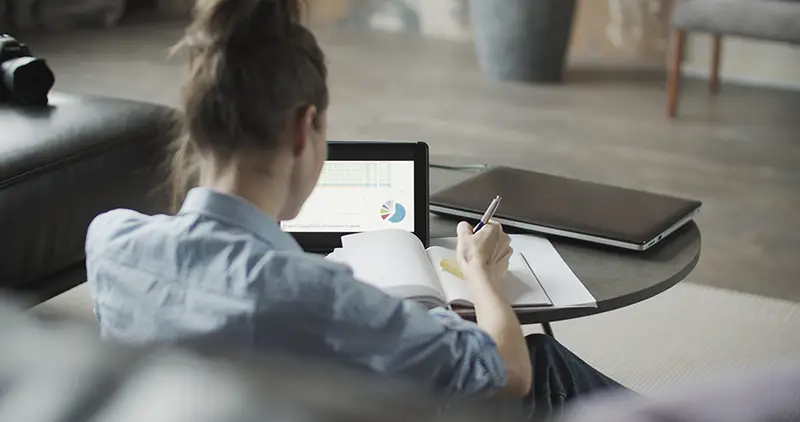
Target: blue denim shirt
{"x": 222, "y": 267}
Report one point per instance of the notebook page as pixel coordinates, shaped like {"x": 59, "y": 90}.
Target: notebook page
{"x": 337, "y": 256}
{"x": 519, "y": 286}
{"x": 563, "y": 288}
{"x": 392, "y": 260}
{"x": 560, "y": 283}
{"x": 453, "y": 287}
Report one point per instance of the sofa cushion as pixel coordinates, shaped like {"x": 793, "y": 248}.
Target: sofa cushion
{"x": 62, "y": 165}
{"x": 776, "y": 20}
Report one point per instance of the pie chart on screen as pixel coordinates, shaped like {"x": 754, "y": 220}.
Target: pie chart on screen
{"x": 393, "y": 212}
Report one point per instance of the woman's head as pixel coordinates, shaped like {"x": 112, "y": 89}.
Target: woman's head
{"x": 254, "y": 101}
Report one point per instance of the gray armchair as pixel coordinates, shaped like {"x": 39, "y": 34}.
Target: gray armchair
{"x": 773, "y": 20}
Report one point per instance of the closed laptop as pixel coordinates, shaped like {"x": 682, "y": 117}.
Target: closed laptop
{"x": 554, "y": 205}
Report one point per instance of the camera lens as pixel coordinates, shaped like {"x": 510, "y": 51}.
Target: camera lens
{"x": 28, "y": 79}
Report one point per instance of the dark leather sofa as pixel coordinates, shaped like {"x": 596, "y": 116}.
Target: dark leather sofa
{"x": 62, "y": 165}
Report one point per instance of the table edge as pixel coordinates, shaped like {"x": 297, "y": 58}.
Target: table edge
{"x": 532, "y": 317}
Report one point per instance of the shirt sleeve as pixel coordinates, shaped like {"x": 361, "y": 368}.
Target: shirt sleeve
{"x": 361, "y": 325}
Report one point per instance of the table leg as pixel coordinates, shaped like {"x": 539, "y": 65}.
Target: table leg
{"x": 548, "y": 329}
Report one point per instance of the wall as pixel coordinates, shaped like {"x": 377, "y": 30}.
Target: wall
{"x": 622, "y": 30}
{"x": 445, "y": 19}
{"x": 746, "y": 61}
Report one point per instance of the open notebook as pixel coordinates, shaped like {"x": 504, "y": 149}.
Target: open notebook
{"x": 396, "y": 262}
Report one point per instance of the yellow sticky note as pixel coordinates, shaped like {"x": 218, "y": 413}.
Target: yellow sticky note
{"x": 451, "y": 266}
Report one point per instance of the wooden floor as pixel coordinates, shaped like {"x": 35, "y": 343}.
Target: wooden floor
{"x": 739, "y": 151}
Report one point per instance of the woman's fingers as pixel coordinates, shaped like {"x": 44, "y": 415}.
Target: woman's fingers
{"x": 507, "y": 253}
{"x": 502, "y": 247}
{"x": 502, "y": 254}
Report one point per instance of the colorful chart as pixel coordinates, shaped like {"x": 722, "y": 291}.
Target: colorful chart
{"x": 393, "y": 212}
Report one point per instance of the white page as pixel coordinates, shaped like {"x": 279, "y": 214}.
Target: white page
{"x": 452, "y": 286}
{"x": 337, "y": 256}
{"x": 394, "y": 261}
{"x": 563, "y": 288}
{"x": 520, "y": 285}
{"x": 561, "y": 284}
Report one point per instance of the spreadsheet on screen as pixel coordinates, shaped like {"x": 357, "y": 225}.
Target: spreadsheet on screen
{"x": 357, "y": 196}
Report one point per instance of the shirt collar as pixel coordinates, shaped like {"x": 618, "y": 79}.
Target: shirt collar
{"x": 240, "y": 212}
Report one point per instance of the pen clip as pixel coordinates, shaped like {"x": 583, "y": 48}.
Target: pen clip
{"x": 493, "y": 208}
{"x": 489, "y": 214}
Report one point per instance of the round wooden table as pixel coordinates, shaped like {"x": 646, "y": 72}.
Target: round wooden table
{"x": 615, "y": 277}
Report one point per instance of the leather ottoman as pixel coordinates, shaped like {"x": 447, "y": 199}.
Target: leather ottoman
{"x": 62, "y": 165}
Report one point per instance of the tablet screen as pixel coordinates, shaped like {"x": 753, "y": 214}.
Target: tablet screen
{"x": 357, "y": 196}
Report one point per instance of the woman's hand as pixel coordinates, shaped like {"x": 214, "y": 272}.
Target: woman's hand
{"x": 484, "y": 254}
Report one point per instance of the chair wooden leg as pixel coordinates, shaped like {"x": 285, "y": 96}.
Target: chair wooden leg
{"x": 716, "y": 50}
{"x": 674, "y": 80}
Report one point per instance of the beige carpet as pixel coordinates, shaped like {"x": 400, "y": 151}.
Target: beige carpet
{"x": 691, "y": 333}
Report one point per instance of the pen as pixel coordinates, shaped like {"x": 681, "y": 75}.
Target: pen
{"x": 487, "y": 216}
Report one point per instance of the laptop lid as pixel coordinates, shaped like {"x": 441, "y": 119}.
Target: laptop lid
{"x": 365, "y": 186}
{"x": 560, "y": 206}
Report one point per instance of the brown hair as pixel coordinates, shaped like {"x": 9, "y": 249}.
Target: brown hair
{"x": 253, "y": 68}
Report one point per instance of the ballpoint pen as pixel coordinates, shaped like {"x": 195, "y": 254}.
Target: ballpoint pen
{"x": 487, "y": 216}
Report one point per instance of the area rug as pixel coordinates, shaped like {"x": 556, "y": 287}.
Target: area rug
{"x": 689, "y": 334}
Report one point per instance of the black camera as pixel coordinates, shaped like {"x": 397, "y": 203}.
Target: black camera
{"x": 24, "y": 79}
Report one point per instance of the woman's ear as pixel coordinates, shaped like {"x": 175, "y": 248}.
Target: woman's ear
{"x": 306, "y": 124}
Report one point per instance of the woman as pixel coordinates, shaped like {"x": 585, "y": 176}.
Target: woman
{"x": 254, "y": 124}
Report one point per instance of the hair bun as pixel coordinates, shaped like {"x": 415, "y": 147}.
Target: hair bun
{"x": 239, "y": 22}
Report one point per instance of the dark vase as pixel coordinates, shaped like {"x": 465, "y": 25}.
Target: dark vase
{"x": 522, "y": 40}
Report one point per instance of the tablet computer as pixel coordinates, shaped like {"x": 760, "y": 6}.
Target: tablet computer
{"x": 363, "y": 186}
